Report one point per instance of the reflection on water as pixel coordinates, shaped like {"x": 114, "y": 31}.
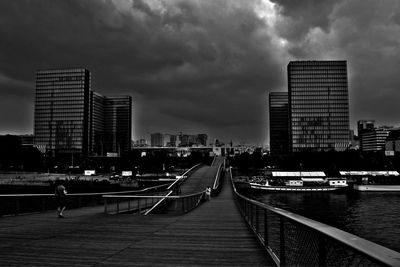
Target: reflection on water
{"x": 373, "y": 216}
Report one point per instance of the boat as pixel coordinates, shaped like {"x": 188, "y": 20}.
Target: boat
{"x": 374, "y": 181}
{"x": 303, "y": 185}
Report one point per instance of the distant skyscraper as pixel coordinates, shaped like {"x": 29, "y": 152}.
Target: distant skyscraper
{"x": 319, "y": 105}
{"x": 62, "y": 110}
{"x": 279, "y": 122}
{"x": 70, "y": 118}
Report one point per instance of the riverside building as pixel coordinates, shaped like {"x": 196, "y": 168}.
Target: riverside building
{"x": 318, "y": 105}
{"x": 72, "y": 119}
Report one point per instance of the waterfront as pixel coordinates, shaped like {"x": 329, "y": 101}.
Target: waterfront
{"x": 371, "y": 215}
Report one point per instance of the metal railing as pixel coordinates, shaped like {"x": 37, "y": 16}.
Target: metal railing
{"x": 146, "y": 204}
{"x": 14, "y": 204}
{"x": 293, "y": 240}
{"x": 216, "y": 189}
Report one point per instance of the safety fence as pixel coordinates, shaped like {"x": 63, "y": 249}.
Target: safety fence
{"x": 14, "y": 204}
{"x": 154, "y": 203}
{"x": 171, "y": 202}
{"x": 216, "y": 189}
{"x": 293, "y": 240}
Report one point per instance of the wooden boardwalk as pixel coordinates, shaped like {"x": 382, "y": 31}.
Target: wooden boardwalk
{"x": 213, "y": 234}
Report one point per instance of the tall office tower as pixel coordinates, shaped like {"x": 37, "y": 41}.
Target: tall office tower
{"x": 62, "y": 114}
{"x": 364, "y": 126}
{"x": 97, "y": 125}
{"x": 117, "y": 123}
{"x": 319, "y": 105}
{"x": 279, "y": 122}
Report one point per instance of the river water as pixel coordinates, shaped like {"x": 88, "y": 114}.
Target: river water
{"x": 372, "y": 215}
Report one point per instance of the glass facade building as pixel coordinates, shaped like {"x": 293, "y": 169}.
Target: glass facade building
{"x": 319, "y": 105}
{"x": 117, "y": 123}
{"x": 62, "y": 110}
{"x": 279, "y": 122}
{"x": 70, "y": 118}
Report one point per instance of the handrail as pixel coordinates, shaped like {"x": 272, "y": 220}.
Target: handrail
{"x": 158, "y": 203}
{"x": 139, "y": 196}
{"x": 217, "y": 176}
{"x": 212, "y": 163}
{"x": 366, "y": 248}
{"x": 86, "y": 194}
{"x": 27, "y": 203}
{"x": 187, "y": 202}
{"x": 183, "y": 176}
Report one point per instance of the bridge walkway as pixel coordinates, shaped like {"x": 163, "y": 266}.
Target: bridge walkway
{"x": 213, "y": 234}
{"x": 203, "y": 177}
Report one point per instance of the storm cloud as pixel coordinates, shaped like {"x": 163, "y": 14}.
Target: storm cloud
{"x": 198, "y": 66}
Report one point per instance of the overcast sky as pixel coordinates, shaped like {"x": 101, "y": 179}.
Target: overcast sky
{"x": 202, "y": 66}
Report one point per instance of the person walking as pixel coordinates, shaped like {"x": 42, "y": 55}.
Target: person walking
{"x": 208, "y": 193}
{"x": 61, "y": 198}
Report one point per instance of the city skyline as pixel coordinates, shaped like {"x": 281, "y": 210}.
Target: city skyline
{"x": 199, "y": 66}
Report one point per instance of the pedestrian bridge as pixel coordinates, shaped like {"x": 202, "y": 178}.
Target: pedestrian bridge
{"x": 173, "y": 225}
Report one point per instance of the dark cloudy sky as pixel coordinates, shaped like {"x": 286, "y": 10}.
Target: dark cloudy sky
{"x": 202, "y": 66}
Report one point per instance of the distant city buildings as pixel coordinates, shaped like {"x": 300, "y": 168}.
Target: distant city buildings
{"x": 392, "y": 143}
{"x": 157, "y": 140}
{"x": 318, "y": 113}
{"x": 71, "y": 118}
{"x": 177, "y": 140}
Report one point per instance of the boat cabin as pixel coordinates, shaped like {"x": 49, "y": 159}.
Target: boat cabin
{"x": 337, "y": 182}
{"x": 294, "y": 183}
{"x": 372, "y": 177}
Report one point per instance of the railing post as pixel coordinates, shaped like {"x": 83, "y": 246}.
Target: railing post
{"x": 282, "y": 256}
{"x": 183, "y": 205}
{"x": 265, "y": 228}
{"x": 105, "y": 206}
{"x": 117, "y": 205}
{"x": 251, "y": 214}
{"x": 129, "y": 204}
{"x": 321, "y": 250}
{"x": 257, "y": 221}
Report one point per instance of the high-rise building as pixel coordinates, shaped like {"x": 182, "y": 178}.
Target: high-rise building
{"x": 62, "y": 114}
{"x": 70, "y": 118}
{"x": 318, "y": 105}
{"x": 97, "y": 125}
{"x": 279, "y": 122}
{"x": 117, "y": 123}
